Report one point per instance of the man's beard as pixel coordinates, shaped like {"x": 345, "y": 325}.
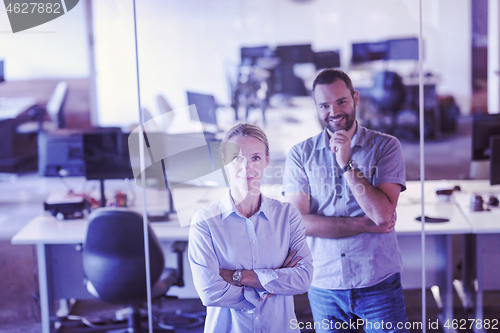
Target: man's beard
{"x": 349, "y": 122}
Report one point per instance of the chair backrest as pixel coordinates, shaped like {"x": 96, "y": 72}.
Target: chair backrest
{"x": 165, "y": 109}
{"x": 151, "y": 123}
{"x": 388, "y": 91}
{"x": 56, "y": 102}
{"x": 113, "y": 256}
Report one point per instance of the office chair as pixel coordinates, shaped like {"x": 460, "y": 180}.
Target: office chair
{"x": 165, "y": 111}
{"x": 114, "y": 264}
{"x": 151, "y": 123}
{"x": 54, "y": 109}
{"x": 388, "y": 91}
{"x": 388, "y": 95}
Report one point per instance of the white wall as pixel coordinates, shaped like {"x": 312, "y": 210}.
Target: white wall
{"x": 117, "y": 103}
{"x": 493, "y": 56}
{"x": 56, "y": 49}
{"x": 187, "y": 44}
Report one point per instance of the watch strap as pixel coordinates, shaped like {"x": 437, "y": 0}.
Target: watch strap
{"x": 351, "y": 165}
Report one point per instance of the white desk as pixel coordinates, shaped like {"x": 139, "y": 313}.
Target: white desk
{"x": 482, "y": 248}
{"x": 438, "y": 249}
{"x": 58, "y": 243}
{"x": 46, "y": 229}
{"x": 11, "y": 107}
{"x": 60, "y": 264}
{"x": 481, "y": 244}
{"x": 59, "y": 259}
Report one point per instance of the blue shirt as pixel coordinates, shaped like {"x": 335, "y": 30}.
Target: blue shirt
{"x": 220, "y": 237}
{"x": 362, "y": 260}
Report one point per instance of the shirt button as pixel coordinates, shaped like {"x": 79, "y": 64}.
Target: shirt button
{"x": 255, "y": 261}
{"x": 254, "y": 241}
{"x": 343, "y": 255}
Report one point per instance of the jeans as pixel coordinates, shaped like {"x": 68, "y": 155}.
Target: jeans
{"x": 379, "y": 308}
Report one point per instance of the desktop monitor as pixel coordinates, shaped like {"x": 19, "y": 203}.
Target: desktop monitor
{"x": 295, "y": 54}
{"x": 365, "y": 52}
{"x": 255, "y": 52}
{"x": 402, "y": 49}
{"x": 483, "y": 128}
{"x": 205, "y": 105}
{"x": 106, "y": 155}
{"x": 60, "y": 153}
{"x": 495, "y": 160}
{"x": 327, "y": 59}
{"x": 2, "y": 71}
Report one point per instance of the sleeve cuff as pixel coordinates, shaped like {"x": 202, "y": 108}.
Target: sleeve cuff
{"x": 265, "y": 276}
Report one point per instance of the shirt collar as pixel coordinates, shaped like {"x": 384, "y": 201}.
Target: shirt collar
{"x": 228, "y": 207}
{"x": 323, "y": 141}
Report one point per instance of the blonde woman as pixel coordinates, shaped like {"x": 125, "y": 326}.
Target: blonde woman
{"x": 248, "y": 253}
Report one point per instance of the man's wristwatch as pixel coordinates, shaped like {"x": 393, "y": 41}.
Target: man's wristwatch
{"x": 351, "y": 165}
{"x": 237, "y": 278}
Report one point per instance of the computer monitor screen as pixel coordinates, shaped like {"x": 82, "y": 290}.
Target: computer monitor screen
{"x": 301, "y": 53}
{"x": 106, "y": 155}
{"x": 364, "y": 52}
{"x": 327, "y": 59}
{"x": 255, "y": 52}
{"x": 60, "y": 153}
{"x": 402, "y": 49}
{"x": 484, "y": 127}
{"x": 2, "y": 71}
{"x": 495, "y": 160}
{"x": 205, "y": 105}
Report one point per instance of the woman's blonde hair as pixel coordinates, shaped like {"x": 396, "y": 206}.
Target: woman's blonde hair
{"x": 245, "y": 129}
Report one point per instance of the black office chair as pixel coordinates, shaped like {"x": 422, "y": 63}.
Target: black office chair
{"x": 388, "y": 95}
{"x": 114, "y": 264}
{"x": 388, "y": 91}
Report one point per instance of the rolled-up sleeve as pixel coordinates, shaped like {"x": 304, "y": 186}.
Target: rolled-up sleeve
{"x": 296, "y": 280}
{"x": 390, "y": 166}
{"x": 294, "y": 176}
{"x": 211, "y": 287}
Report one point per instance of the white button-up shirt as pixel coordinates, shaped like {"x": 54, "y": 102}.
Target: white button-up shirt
{"x": 220, "y": 237}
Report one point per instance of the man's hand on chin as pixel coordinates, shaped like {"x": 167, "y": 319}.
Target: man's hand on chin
{"x": 340, "y": 144}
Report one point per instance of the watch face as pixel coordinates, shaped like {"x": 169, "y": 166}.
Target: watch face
{"x": 351, "y": 165}
{"x": 237, "y": 277}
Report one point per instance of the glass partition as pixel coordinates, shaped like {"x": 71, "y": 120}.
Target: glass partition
{"x": 241, "y": 61}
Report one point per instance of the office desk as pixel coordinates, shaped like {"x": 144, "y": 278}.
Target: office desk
{"x": 61, "y": 272}
{"x": 58, "y": 243}
{"x": 482, "y": 247}
{"x": 438, "y": 250}
{"x": 481, "y": 263}
{"x": 12, "y": 107}
{"x": 60, "y": 269}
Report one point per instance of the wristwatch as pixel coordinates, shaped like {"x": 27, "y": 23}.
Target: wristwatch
{"x": 351, "y": 165}
{"x": 237, "y": 277}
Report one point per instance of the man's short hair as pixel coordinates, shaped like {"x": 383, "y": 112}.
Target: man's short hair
{"x": 329, "y": 76}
